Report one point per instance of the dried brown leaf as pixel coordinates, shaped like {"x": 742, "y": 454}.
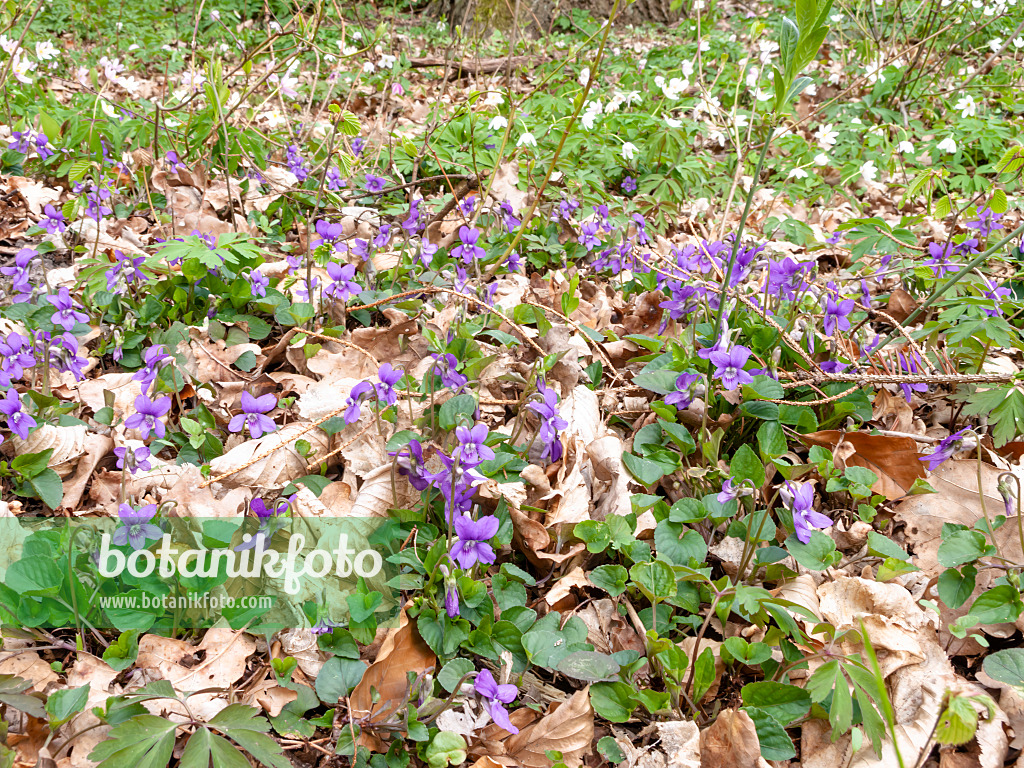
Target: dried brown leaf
{"x": 730, "y": 742}
{"x": 569, "y": 729}
{"x": 894, "y": 460}
{"x": 403, "y": 651}
{"x": 280, "y": 464}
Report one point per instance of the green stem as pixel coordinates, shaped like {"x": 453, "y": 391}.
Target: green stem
{"x": 739, "y": 229}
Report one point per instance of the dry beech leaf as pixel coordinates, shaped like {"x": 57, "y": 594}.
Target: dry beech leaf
{"x": 901, "y": 305}
{"x": 731, "y": 742}
{"x": 376, "y": 494}
{"x": 275, "y": 470}
{"x": 569, "y": 501}
{"x": 568, "y": 729}
{"x": 894, "y": 460}
{"x": 96, "y": 447}
{"x": 122, "y": 386}
{"x": 226, "y": 657}
{"x": 957, "y": 501}
{"x": 606, "y": 460}
{"x": 892, "y": 411}
{"x": 402, "y": 651}
{"x": 67, "y": 443}
{"x": 193, "y": 501}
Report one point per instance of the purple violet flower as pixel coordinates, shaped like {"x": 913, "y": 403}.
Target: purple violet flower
{"x": 987, "y": 222}
{"x": 729, "y": 366}
{"x": 686, "y": 385}
{"x": 258, "y": 283}
{"x": 388, "y": 376}
{"x": 375, "y": 184}
{"x": 154, "y": 358}
{"x": 837, "y": 314}
{"x": 495, "y": 697}
{"x": 253, "y": 415}
{"x": 343, "y": 287}
{"x": 958, "y": 441}
{"x": 135, "y": 460}
{"x": 147, "y": 415}
{"x": 353, "y": 405}
{"x": 551, "y": 423}
{"x": 445, "y": 367}
{"x": 468, "y": 249}
{"x": 18, "y": 421}
{"x": 410, "y": 464}
{"x": 136, "y": 529}
{"x": 800, "y": 500}
{"x": 628, "y": 184}
{"x": 53, "y": 220}
{"x": 472, "y": 448}
{"x": 471, "y": 546}
{"x": 588, "y": 235}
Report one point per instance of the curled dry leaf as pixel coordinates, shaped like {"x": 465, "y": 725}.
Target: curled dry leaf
{"x": 893, "y": 619}
{"x": 376, "y": 494}
{"x": 569, "y": 728}
{"x": 301, "y": 644}
{"x": 402, "y": 651}
{"x": 681, "y": 741}
{"x": 894, "y": 460}
{"x": 122, "y": 388}
{"x": 280, "y": 462}
{"x": 892, "y": 411}
{"x": 96, "y": 447}
{"x": 610, "y": 488}
{"x": 569, "y": 502}
{"x": 67, "y": 443}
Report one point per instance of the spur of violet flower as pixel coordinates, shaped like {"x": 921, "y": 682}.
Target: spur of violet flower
{"x": 253, "y": 415}
{"x": 495, "y": 697}
{"x": 136, "y": 529}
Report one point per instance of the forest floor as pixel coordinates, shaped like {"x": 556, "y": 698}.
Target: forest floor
{"x": 381, "y": 394}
